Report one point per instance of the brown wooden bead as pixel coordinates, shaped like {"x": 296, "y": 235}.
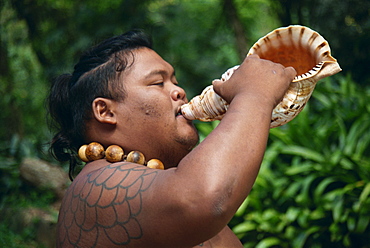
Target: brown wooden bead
{"x": 155, "y": 164}
{"x": 94, "y": 151}
{"x": 114, "y": 153}
{"x": 82, "y": 153}
{"x": 136, "y": 157}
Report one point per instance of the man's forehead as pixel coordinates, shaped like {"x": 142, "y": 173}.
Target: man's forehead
{"x": 147, "y": 63}
{"x": 149, "y": 57}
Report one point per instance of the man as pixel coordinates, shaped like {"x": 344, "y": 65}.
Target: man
{"x": 128, "y": 95}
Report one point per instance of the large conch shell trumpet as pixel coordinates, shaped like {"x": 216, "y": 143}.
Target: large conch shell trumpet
{"x": 296, "y": 46}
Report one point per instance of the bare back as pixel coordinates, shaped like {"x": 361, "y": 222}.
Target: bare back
{"x": 104, "y": 207}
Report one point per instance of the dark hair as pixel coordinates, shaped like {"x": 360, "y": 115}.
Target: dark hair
{"x": 95, "y": 75}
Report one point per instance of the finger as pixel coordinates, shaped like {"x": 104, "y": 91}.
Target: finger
{"x": 253, "y": 56}
{"x": 291, "y": 72}
{"x": 217, "y": 86}
{"x": 216, "y": 83}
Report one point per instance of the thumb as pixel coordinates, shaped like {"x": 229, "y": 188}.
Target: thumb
{"x": 217, "y": 85}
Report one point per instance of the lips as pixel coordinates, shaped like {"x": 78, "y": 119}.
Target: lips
{"x": 178, "y": 112}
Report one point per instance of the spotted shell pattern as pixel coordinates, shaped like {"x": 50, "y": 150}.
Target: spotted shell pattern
{"x": 297, "y": 46}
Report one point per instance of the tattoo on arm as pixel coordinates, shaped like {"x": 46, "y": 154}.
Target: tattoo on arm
{"x": 102, "y": 208}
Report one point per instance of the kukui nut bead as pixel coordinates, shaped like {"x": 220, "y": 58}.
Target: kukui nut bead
{"x": 155, "y": 164}
{"x": 114, "y": 153}
{"x": 136, "y": 157}
{"x": 94, "y": 151}
{"x": 82, "y": 153}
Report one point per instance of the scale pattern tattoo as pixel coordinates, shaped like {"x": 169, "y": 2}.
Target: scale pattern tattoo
{"x": 102, "y": 207}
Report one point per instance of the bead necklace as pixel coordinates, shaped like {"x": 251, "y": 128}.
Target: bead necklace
{"x": 115, "y": 153}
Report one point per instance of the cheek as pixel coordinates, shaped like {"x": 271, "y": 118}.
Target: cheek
{"x": 147, "y": 109}
{"x": 150, "y": 110}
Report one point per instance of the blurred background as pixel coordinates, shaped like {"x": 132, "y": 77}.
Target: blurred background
{"x": 314, "y": 185}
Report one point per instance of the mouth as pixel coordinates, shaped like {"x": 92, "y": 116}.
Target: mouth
{"x": 179, "y": 110}
{"x": 178, "y": 113}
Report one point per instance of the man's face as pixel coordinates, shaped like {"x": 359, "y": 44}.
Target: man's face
{"x": 149, "y": 115}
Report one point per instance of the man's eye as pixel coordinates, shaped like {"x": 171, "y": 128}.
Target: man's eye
{"x": 158, "y": 84}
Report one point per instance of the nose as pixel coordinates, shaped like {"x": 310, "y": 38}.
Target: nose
{"x": 178, "y": 93}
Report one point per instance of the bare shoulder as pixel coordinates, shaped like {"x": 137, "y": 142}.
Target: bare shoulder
{"x": 101, "y": 207}
{"x": 119, "y": 205}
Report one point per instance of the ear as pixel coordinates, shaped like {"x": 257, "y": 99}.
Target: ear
{"x": 103, "y": 110}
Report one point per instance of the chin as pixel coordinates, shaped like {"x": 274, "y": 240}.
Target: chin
{"x": 190, "y": 141}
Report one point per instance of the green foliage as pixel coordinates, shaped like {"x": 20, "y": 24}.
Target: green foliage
{"x": 10, "y": 239}
{"x": 314, "y": 186}
{"x": 22, "y": 85}
{"x": 14, "y": 191}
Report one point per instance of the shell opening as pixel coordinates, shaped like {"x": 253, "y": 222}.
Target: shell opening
{"x": 296, "y": 46}
{"x": 296, "y": 56}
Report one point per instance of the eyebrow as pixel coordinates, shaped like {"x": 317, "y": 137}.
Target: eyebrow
{"x": 159, "y": 72}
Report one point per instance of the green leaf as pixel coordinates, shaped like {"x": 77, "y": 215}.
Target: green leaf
{"x": 362, "y": 224}
{"x": 292, "y": 213}
{"x": 242, "y": 208}
{"x": 304, "y": 197}
{"x": 303, "y": 152}
{"x": 292, "y": 189}
{"x": 363, "y": 197}
{"x": 215, "y": 124}
{"x": 300, "y": 240}
{"x": 295, "y": 170}
{"x": 358, "y": 128}
{"x": 335, "y": 157}
{"x": 281, "y": 135}
{"x": 351, "y": 223}
{"x": 320, "y": 188}
{"x": 268, "y": 242}
{"x": 204, "y": 127}
{"x": 338, "y": 210}
{"x": 244, "y": 227}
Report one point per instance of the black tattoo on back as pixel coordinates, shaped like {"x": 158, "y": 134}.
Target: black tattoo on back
{"x": 102, "y": 207}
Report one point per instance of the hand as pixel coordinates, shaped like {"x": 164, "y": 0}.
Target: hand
{"x": 257, "y": 79}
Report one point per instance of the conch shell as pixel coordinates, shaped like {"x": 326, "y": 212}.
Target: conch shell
{"x": 297, "y": 46}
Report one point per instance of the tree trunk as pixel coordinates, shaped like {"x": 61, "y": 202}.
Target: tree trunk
{"x": 236, "y": 25}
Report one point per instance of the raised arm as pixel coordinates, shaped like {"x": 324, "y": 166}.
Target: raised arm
{"x": 214, "y": 179}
